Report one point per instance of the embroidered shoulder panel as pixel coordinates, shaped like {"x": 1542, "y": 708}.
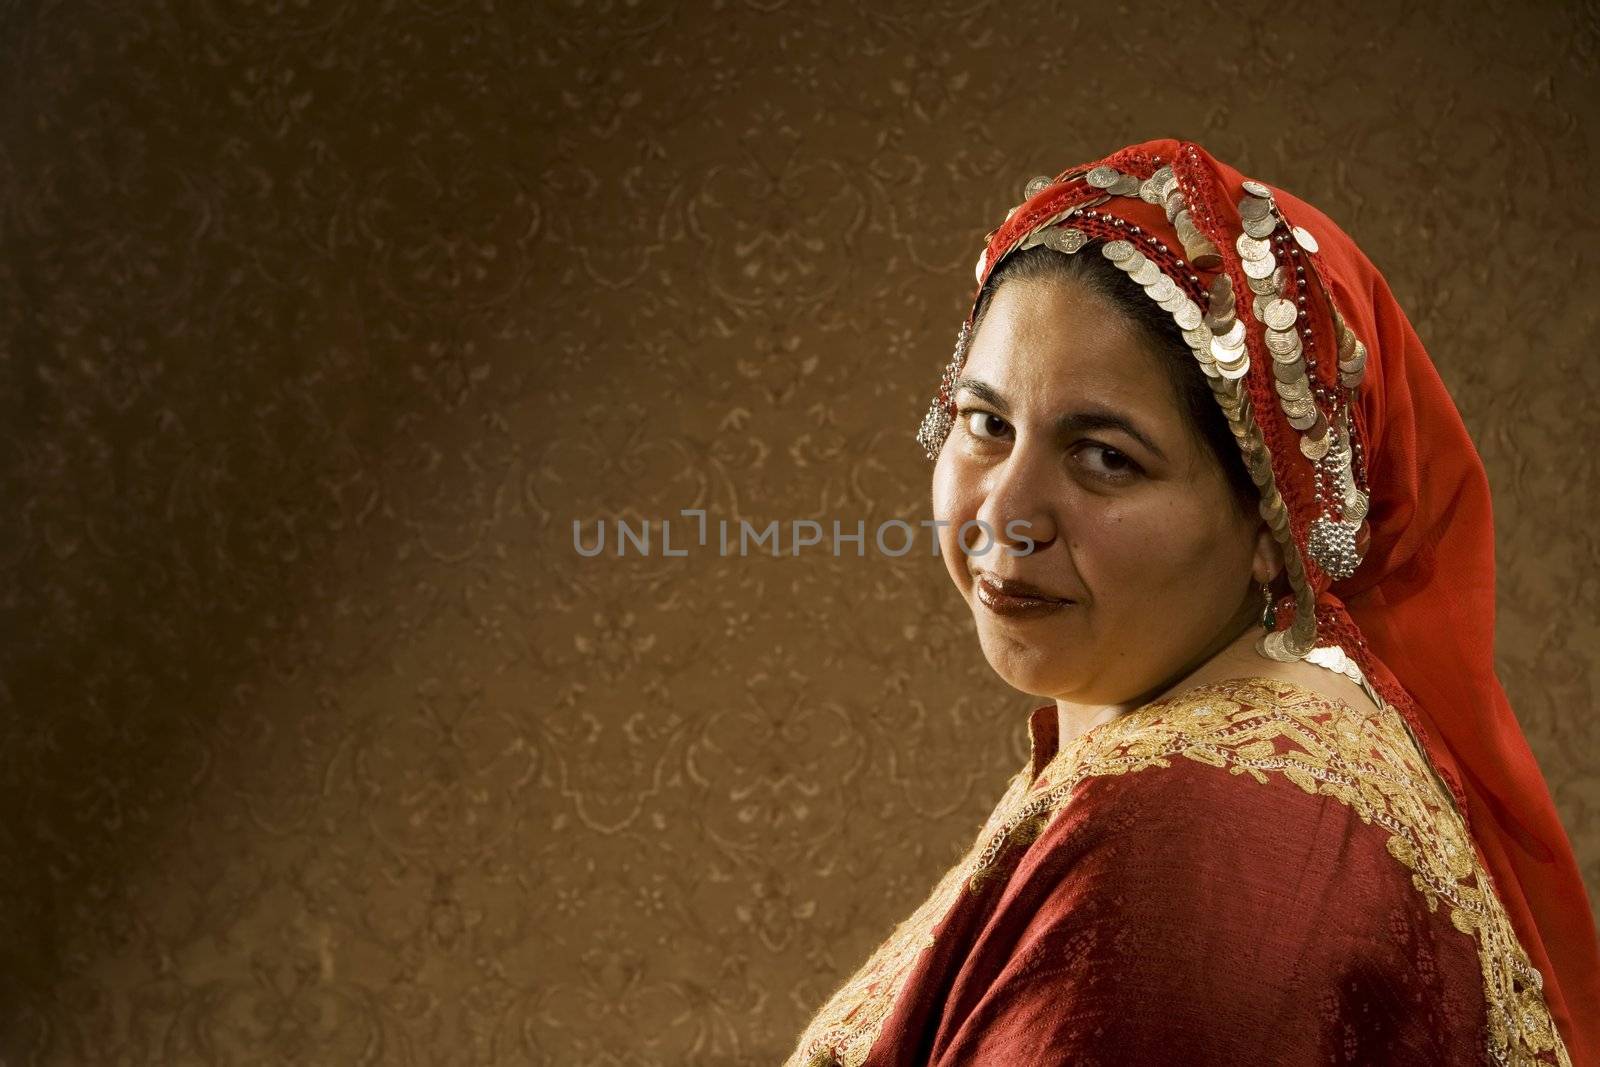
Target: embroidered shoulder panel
{"x": 1254, "y": 728}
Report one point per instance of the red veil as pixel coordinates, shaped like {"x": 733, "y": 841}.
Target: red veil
{"x": 1417, "y": 614}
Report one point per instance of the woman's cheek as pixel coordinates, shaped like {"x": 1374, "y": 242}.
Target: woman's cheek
{"x": 953, "y": 504}
{"x": 1122, "y": 546}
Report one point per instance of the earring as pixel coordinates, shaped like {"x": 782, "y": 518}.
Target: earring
{"x": 1269, "y": 613}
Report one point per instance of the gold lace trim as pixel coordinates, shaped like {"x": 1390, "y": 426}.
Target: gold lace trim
{"x": 1250, "y": 727}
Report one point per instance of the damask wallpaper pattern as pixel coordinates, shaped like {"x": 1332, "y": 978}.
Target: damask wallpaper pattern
{"x": 322, "y": 322}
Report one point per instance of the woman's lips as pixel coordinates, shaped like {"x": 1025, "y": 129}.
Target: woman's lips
{"x": 1016, "y": 599}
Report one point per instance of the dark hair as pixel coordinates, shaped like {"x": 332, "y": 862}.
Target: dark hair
{"x": 1088, "y": 267}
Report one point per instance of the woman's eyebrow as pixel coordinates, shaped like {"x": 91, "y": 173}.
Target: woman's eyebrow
{"x": 1087, "y": 419}
{"x": 1101, "y": 419}
{"x": 983, "y": 391}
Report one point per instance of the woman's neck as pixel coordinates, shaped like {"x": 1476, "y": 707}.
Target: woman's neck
{"x": 1237, "y": 658}
{"x": 1232, "y": 655}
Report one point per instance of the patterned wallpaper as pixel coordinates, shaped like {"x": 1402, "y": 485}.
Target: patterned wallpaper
{"x": 323, "y": 320}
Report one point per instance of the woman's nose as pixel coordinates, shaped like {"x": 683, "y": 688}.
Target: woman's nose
{"x": 1017, "y": 510}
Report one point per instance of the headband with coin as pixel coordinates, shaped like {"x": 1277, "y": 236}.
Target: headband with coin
{"x": 1195, "y": 284}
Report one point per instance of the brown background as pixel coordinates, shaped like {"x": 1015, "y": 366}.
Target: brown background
{"x": 322, "y": 321}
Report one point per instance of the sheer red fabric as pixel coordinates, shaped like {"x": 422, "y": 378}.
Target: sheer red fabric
{"x": 1418, "y": 614}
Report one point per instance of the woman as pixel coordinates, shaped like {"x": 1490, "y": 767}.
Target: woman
{"x": 1279, "y": 809}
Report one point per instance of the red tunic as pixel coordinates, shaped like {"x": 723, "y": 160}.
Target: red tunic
{"x": 1248, "y": 872}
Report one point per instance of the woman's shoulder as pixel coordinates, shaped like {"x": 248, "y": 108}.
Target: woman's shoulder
{"x": 1263, "y": 764}
{"x": 1248, "y": 858}
{"x": 1256, "y": 728}
{"x": 1284, "y": 850}
{"x": 1260, "y": 729}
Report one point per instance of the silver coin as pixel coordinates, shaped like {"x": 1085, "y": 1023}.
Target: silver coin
{"x": 1282, "y": 341}
{"x": 1304, "y": 423}
{"x": 1355, "y": 506}
{"x": 1223, "y": 353}
{"x": 1234, "y": 337}
{"x": 1252, "y": 247}
{"x": 1255, "y": 188}
{"x": 1202, "y": 253}
{"x": 1147, "y": 272}
{"x": 1187, "y": 315}
{"x": 1221, "y": 288}
{"x": 1102, "y": 177}
{"x": 1161, "y": 289}
{"x": 1299, "y": 389}
{"x": 1252, "y": 207}
{"x": 1298, "y": 409}
{"x": 1229, "y": 359}
{"x": 1280, "y": 314}
{"x": 1036, "y": 186}
{"x": 1272, "y": 283}
{"x": 1289, "y": 372}
{"x": 1258, "y": 268}
{"x": 1197, "y": 337}
{"x": 1295, "y": 404}
{"x": 1261, "y": 226}
{"x": 1304, "y": 238}
{"x": 1314, "y": 448}
{"x": 1234, "y": 372}
{"x": 1354, "y": 366}
{"x": 1117, "y": 251}
{"x": 1068, "y": 240}
{"x": 1125, "y": 185}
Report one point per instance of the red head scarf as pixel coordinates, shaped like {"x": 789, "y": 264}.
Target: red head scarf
{"x": 1417, "y": 613}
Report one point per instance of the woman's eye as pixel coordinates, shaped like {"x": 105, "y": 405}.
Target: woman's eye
{"x": 1108, "y": 462}
{"x": 985, "y": 425}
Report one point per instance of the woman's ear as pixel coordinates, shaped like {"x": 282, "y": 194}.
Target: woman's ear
{"x": 1267, "y": 563}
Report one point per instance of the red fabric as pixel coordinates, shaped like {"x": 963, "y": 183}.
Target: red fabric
{"x": 1187, "y": 915}
{"x": 1418, "y": 615}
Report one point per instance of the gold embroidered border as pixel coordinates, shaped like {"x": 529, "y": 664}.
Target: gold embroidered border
{"x": 1248, "y": 727}
{"x": 842, "y": 1033}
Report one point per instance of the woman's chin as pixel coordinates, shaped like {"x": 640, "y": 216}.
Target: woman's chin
{"x": 1029, "y": 669}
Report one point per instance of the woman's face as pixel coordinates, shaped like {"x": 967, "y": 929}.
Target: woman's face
{"x": 1070, "y": 431}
